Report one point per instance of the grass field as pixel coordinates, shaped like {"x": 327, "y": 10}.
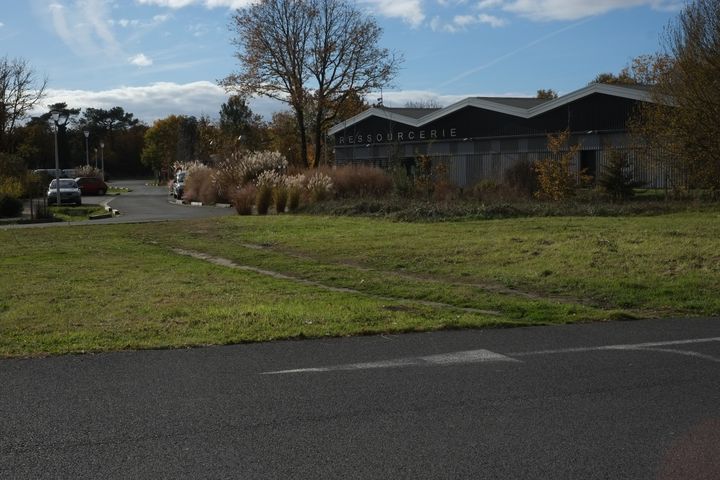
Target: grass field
{"x": 237, "y": 279}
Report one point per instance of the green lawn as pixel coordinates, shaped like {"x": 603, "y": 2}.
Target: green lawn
{"x": 95, "y": 288}
{"x": 76, "y": 213}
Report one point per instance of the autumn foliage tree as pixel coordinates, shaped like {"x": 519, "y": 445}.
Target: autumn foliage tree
{"x": 319, "y": 53}
{"x": 682, "y": 124}
{"x": 557, "y": 180}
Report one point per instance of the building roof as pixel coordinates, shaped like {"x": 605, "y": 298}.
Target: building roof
{"x": 516, "y": 102}
{"x": 518, "y": 107}
{"x": 410, "y": 112}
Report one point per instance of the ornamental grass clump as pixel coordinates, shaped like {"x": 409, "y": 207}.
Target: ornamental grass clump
{"x": 294, "y": 185}
{"x": 88, "y": 171}
{"x": 360, "y": 181}
{"x": 320, "y": 187}
{"x": 199, "y": 185}
{"x": 266, "y": 183}
{"x": 243, "y": 199}
{"x": 236, "y": 171}
{"x": 228, "y": 178}
{"x": 280, "y": 195}
{"x": 255, "y": 163}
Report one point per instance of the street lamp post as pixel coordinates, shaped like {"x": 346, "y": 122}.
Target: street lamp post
{"x": 87, "y": 151}
{"x": 102, "y": 159}
{"x": 59, "y": 118}
{"x": 95, "y": 157}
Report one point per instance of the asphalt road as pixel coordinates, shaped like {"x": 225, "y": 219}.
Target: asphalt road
{"x": 626, "y": 400}
{"x": 144, "y": 203}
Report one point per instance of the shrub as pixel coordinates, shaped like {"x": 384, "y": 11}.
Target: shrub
{"x": 403, "y": 184}
{"x": 522, "y": 177}
{"x": 320, "y": 187}
{"x": 616, "y": 178}
{"x": 243, "y": 199}
{"x": 430, "y": 172}
{"x": 199, "y": 185}
{"x": 12, "y": 187}
{"x": 359, "y": 181}
{"x": 445, "y": 191}
{"x": 487, "y": 191}
{"x": 10, "y": 206}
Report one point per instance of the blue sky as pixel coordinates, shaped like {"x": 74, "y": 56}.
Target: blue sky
{"x": 158, "y": 57}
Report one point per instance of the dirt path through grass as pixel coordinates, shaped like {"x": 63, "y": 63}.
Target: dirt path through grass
{"x": 224, "y": 262}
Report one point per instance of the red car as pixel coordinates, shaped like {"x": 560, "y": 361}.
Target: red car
{"x": 91, "y": 185}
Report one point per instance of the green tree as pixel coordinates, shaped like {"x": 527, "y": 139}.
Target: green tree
{"x": 238, "y": 120}
{"x": 616, "y": 178}
{"x": 100, "y": 119}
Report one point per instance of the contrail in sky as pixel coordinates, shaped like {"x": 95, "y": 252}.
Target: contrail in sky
{"x": 514, "y": 52}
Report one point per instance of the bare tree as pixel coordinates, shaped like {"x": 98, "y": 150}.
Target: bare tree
{"x": 318, "y": 53}
{"x": 425, "y": 103}
{"x": 345, "y": 61}
{"x": 20, "y": 90}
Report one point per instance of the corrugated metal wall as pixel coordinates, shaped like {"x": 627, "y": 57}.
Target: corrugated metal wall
{"x": 467, "y": 169}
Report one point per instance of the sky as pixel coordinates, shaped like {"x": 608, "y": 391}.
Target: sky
{"x": 160, "y": 57}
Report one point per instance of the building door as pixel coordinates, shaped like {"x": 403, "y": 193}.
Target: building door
{"x": 588, "y": 163}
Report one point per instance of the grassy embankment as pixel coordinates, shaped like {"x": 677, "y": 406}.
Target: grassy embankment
{"x": 98, "y": 288}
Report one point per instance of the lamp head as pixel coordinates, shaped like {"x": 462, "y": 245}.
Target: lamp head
{"x": 59, "y": 117}
{"x": 102, "y": 144}
{"x": 86, "y": 133}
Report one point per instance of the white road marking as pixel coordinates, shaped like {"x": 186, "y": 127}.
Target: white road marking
{"x": 482, "y": 355}
{"x": 631, "y": 346}
{"x": 455, "y": 358}
{"x": 688, "y": 353}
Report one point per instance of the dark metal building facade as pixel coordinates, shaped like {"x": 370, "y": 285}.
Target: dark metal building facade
{"x": 480, "y": 138}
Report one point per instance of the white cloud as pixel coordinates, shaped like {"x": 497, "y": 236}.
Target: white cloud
{"x": 84, "y": 27}
{"x": 158, "y": 100}
{"x": 547, "y": 10}
{"x": 462, "y": 22}
{"x": 2, "y": 24}
{"x": 140, "y": 60}
{"x": 483, "y": 4}
{"x": 175, "y": 4}
{"x": 409, "y": 11}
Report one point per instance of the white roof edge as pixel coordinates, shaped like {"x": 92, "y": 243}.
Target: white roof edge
{"x": 614, "y": 90}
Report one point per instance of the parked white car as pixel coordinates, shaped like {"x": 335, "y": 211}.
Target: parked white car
{"x": 69, "y": 192}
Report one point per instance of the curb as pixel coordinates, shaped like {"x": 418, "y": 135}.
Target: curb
{"x": 112, "y": 211}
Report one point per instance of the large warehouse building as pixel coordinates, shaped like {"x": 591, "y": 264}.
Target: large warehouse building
{"x": 480, "y": 137}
